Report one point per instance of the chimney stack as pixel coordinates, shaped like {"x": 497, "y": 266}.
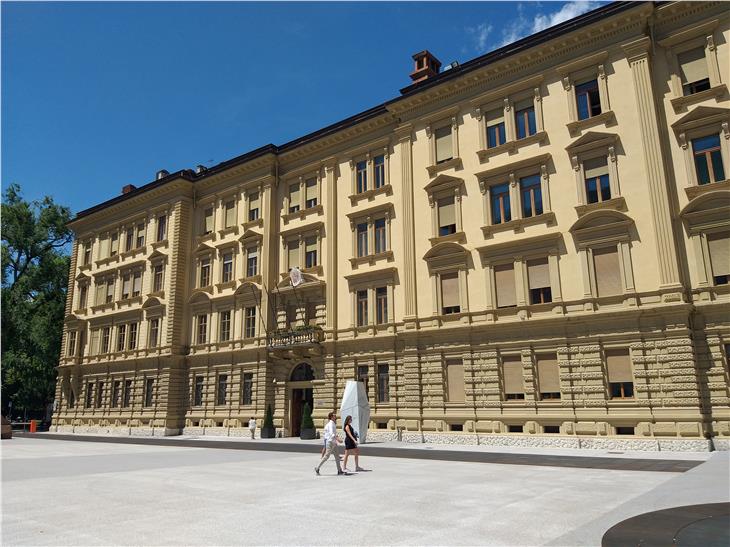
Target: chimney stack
{"x": 161, "y": 174}
{"x": 199, "y": 169}
{"x": 426, "y": 66}
{"x": 128, "y": 188}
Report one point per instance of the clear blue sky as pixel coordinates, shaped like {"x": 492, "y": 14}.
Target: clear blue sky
{"x": 99, "y": 95}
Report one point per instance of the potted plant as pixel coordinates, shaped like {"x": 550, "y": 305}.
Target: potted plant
{"x": 268, "y": 431}
{"x": 307, "y": 431}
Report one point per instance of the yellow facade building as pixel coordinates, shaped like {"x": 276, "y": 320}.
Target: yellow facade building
{"x": 529, "y": 248}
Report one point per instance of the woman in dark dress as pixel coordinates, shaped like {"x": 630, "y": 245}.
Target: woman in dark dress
{"x": 351, "y": 444}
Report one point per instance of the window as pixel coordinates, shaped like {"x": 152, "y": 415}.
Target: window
{"x": 253, "y": 206}
{"x": 362, "y": 239}
{"x": 499, "y": 203}
{"x": 202, "y": 335}
{"x": 121, "y": 337}
{"x": 512, "y": 377}
{"x": 227, "y": 267}
{"x": 95, "y": 341}
{"x": 496, "y": 134}
{"x": 381, "y": 244}
{"x": 310, "y": 252}
{"x": 89, "y": 394}
{"x": 99, "y": 394}
{"x": 154, "y": 332}
{"x": 291, "y": 315}
{"x": 454, "y": 375}
{"x": 504, "y": 280}
{"x": 129, "y": 239}
{"x": 198, "y": 391}
{"x": 310, "y": 312}
{"x": 249, "y": 326}
{"x": 383, "y": 384}
{"x": 552, "y": 429}
{"x": 105, "y": 338}
{"x": 607, "y": 270}
{"x": 381, "y": 305}
{"x": 293, "y": 254}
{"x": 361, "y": 176}
{"x": 595, "y": 171}
{"x": 310, "y": 186}
{"x": 362, "y": 376}
{"x": 100, "y": 292}
{"x": 225, "y": 326}
{"x": 114, "y": 245}
{"x": 109, "y": 290}
{"x": 693, "y": 71}
{"x": 525, "y": 118}
{"x": 624, "y": 431}
{"x": 104, "y": 248}
{"x": 116, "y": 393}
{"x": 588, "y": 99}
{"x": 207, "y": 226}
{"x": 161, "y": 228}
{"x": 719, "y": 246}
{"x": 71, "y": 343}
{"x": 538, "y": 275}
{"x": 531, "y": 193}
{"x": 149, "y": 387}
{"x": 127, "y": 395}
{"x": 444, "y": 144}
{"x": 83, "y": 295}
{"x": 220, "y": 398}
{"x": 447, "y": 215}
{"x": 140, "y": 235}
{"x": 126, "y": 285}
{"x": 379, "y": 170}
{"x": 247, "y": 390}
{"x": 157, "y": 277}
{"x": 252, "y": 261}
{"x": 133, "y": 327}
{"x": 230, "y": 212}
{"x": 548, "y": 376}
{"x": 620, "y": 376}
{"x": 708, "y": 159}
{"x": 362, "y": 308}
{"x": 87, "y": 254}
{"x": 137, "y": 284}
{"x": 450, "y": 302}
{"x": 204, "y": 272}
{"x": 294, "y": 198}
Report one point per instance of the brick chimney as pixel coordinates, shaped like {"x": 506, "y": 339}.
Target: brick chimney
{"x": 426, "y": 66}
{"x": 128, "y": 188}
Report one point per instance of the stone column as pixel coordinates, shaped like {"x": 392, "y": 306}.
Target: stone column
{"x": 409, "y": 245}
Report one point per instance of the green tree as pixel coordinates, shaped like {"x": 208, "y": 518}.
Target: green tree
{"x": 35, "y": 263}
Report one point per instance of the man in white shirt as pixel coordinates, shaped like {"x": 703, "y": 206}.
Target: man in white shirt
{"x": 332, "y": 442}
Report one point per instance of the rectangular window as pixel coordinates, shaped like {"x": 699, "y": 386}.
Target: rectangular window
{"x": 225, "y": 326}
{"x": 454, "y": 374}
{"x": 140, "y": 235}
{"x": 83, "y": 292}
{"x": 291, "y": 315}
{"x": 444, "y": 144}
{"x": 495, "y": 128}
{"x": 198, "y": 391}
{"x": 596, "y": 179}
{"x": 104, "y": 248}
{"x": 204, "y": 272}
{"x": 161, "y": 228}
{"x": 105, "y": 339}
{"x": 525, "y": 118}
{"x": 381, "y": 243}
{"x": 71, "y": 343}
{"x": 310, "y": 186}
{"x": 383, "y": 384}
{"x": 136, "y": 284}
{"x": 512, "y": 377}
{"x": 361, "y": 176}
{"x": 249, "y": 326}
{"x": 116, "y": 393}
{"x": 379, "y": 171}
{"x": 252, "y": 261}
{"x": 450, "y": 302}
{"x": 149, "y": 391}
{"x": 531, "y": 192}
{"x": 87, "y": 254}
{"x": 202, "y": 335}
{"x": 362, "y": 376}
{"x": 99, "y": 394}
{"x": 121, "y": 337}
{"x": 293, "y": 254}
{"x": 129, "y": 239}
{"x": 133, "y": 327}
{"x": 127, "y": 395}
{"x": 548, "y": 376}
{"x": 247, "y": 389}
{"x": 538, "y": 275}
{"x": 500, "y": 204}
{"x": 109, "y": 290}
{"x": 620, "y": 375}
{"x": 447, "y": 215}
{"x": 708, "y": 159}
{"x": 222, "y": 392}
{"x": 207, "y": 226}
{"x": 230, "y": 212}
{"x": 310, "y": 252}
{"x": 227, "y": 268}
{"x": 719, "y": 246}
{"x": 114, "y": 245}
{"x": 362, "y": 308}
{"x": 89, "y": 394}
{"x": 95, "y": 342}
{"x": 126, "y": 285}
{"x": 253, "y": 206}
{"x": 362, "y": 239}
{"x": 311, "y": 313}
{"x": 608, "y": 272}
{"x": 157, "y": 278}
{"x": 504, "y": 280}
{"x": 693, "y": 71}
{"x": 381, "y": 305}
{"x": 154, "y": 332}
{"x": 588, "y": 99}
{"x": 294, "y": 199}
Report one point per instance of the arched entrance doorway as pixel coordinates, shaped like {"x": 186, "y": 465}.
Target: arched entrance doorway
{"x": 300, "y": 383}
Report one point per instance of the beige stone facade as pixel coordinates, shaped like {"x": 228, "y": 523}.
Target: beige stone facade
{"x": 531, "y": 248}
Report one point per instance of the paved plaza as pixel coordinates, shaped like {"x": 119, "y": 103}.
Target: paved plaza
{"x": 58, "y": 492}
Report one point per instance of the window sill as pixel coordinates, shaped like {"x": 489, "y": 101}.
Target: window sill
{"x": 107, "y": 260}
{"x": 80, "y": 311}
{"x": 162, "y": 244}
{"x": 102, "y": 307}
{"x": 680, "y": 103}
{"x": 694, "y": 191}
{"x": 439, "y": 167}
{"x": 511, "y": 146}
{"x": 251, "y": 279}
{"x": 258, "y": 223}
{"x": 518, "y": 224}
{"x": 133, "y": 252}
{"x": 303, "y": 213}
{"x": 226, "y": 231}
{"x": 156, "y": 294}
{"x": 129, "y": 301}
{"x": 603, "y": 118}
{"x": 614, "y": 204}
{"x": 84, "y": 267}
{"x": 210, "y": 236}
{"x": 227, "y": 285}
{"x": 207, "y": 289}
{"x": 457, "y": 237}
{"x": 386, "y": 189}
{"x": 314, "y": 270}
{"x": 371, "y": 259}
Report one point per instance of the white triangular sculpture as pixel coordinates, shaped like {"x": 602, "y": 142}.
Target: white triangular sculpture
{"x": 355, "y": 404}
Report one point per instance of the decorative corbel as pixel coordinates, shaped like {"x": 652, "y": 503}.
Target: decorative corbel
{"x": 567, "y": 84}
{"x": 574, "y": 162}
{"x": 683, "y": 140}
{"x": 507, "y": 105}
{"x": 725, "y": 130}
{"x": 544, "y": 171}
{"x": 483, "y": 186}
{"x": 612, "y": 153}
{"x": 428, "y": 131}
{"x": 457, "y": 194}
{"x": 479, "y": 113}
{"x": 453, "y": 122}
{"x": 710, "y": 43}
{"x": 538, "y": 97}
{"x": 601, "y": 72}
{"x": 512, "y": 180}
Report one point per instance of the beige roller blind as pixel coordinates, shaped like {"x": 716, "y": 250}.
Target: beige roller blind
{"x": 455, "y": 381}
{"x": 444, "y": 150}
{"x": 230, "y": 214}
{"x": 618, "y": 363}
{"x": 525, "y": 103}
{"x": 719, "y": 244}
{"x": 692, "y": 65}
{"x": 504, "y": 278}
{"x": 447, "y": 211}
{"x": 608, "y": 273}
{"x": 311, "y": 189}
{"x": 208, "y": 222}
{"x": 293, "y": 195}
{"x": 450, "y": 290}
{"x": 137, "y": 283}
{"x": 293, "y": 251}
{"x": 595, "y": 167}
{"x": 495, "y": 116}
{"x": 95, "y": 342}
{"x": 548, "y": 373}
{"x": 104, "y": 250}
{"x": 253, "y": 201}
{"x": 100, "y": 292}
{"x": 512, "y": 374}
{"x": 311, "y": 244}
{"x": 538, "y": 272}
{"x": 126, "y": 284}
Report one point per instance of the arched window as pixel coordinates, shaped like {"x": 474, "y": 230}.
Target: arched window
{"x": 302, "y": 373}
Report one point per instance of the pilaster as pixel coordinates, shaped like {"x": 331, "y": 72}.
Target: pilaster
{"x": 179, "y": 261}
{"x": 269, "y": 262}
{"x": 331, "y": 231}
{"x": 404, "y": 134}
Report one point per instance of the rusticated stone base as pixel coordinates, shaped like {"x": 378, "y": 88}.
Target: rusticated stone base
{"x": 721, "y": 444}
{"x": 117, "y": 431}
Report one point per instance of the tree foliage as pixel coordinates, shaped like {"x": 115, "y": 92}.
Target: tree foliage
{"x": 35, "y": 263}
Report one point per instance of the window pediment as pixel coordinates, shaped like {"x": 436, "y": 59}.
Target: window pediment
{"x": 600, "y": 225}
{"x": 370, "y": 211}
{"x": 443, "y": 182}
{"x": 535, "y": 161}
{"x": 446, "y": 250}
{"x": 591, "y": 141}
{"x": 700, "y": 116}
{"x": 250, "y": 235}
{"x": 384, "y": 274}
{"x": 247, "y": 289}
{"x": 543, "y": 243}
{"x": 307, "y": 280}
{"x": 152, "y": 302}
{"x": 709, "y": 210}
{"x": 203, "y": 248}
{"x": 82, "y": 277}
{"x": 199, "y": 297}
{"x": 157, "y": 255}
{"x": 312, "y": 227}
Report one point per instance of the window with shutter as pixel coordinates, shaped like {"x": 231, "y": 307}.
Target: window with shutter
{"x": 455, "y": 392}
{"x": 620, "y": 374}
{"x": 311, "y": 193}
{"x": 252, "y": 261}
{"x": 512, "y": 377}
{"x": 538, "y": 275}
{"x": 595, "y": 171}
{"x": 447, "y": 215}
{"x": 208, "y": 221}
{"x": 548, "y": 376}
{"x": 608, "y": 272}
{"x": 293, "y": 198}
{"x": 293, "y": 254}
{"x": 444, "y": 144}
{"x": 450, "y": 302}
{"x": 693, "y": 71}
{"x": 719, "y": 244}
{"x": 253, "y": 206}
{"x": 495, "y": 128}
{"x": 137, "y": 284}
{"x": 504, "y": 279}
{"x": 310, "y": 249}
{"x": 114, "y": 245}
{"x": 230, "y": 213}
